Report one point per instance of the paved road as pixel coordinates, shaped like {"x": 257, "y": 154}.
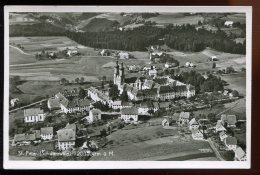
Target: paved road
{"x": 215, "y": 150}
{"x": 22, "y": 107}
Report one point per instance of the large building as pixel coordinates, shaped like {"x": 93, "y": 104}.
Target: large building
{"x": 33, "y": 115}
{"x": 119, "y": 74}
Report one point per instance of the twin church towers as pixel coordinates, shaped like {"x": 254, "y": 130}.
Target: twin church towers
{"x": 119, "y": 74}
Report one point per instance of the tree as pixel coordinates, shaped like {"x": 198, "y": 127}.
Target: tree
{"x": 113, "y": 92}
{"x": 199, "y": 23}
{"x": 172, "y": 73}
{"x": 230, "y": 69}
{"x": 77, "y": 80}
{"x": 235, "y": 93}
{"x": 82, "y": 80}
{"x": 63, "y": 81}
{"x": 212, "y": 117}
{"x": 124, "y": 96}
{"x": 82, "y": 93}
{"x": 214, "y": 65}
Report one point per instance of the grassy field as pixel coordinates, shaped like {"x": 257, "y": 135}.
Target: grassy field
{"x": 147, "y": 142}
{"x": 241, "y": 17}
{"x": 236, "y": 81}
{"x": 176, "y": 19}
{"x": 16, "y": 57}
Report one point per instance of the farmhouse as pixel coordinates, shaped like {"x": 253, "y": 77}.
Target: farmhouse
{"x": 33, "y": 115}
{"x": 53, "y": 103}
{"x": 240, "y": 154}
{"x": 23, "y": 139}
{"x": 123, "y": 55}
{"x": 47, "y": 133}
{"x": 94, "y": 115}
{"x": 14, "y": 102}
{"x": 231, "y": 143}
{"x": 197, "y": 134}
{"x": 222, "y": 136}
{"x": 213, "y": 58}
{"x": 155, "y": 52}
{"x": 193, "y": 124}
{"x": 229, "y": 120}
{"x": 219, "y": 127}
{"x": 167, "y": 121}
{"x": 129, "y": 114}
{"x": 66, "y": 139}
{"x": 184, "y": 118}
{"x": 228, "y": 23}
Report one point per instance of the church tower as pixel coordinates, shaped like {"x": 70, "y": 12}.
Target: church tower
{"x": 119, "y": 74}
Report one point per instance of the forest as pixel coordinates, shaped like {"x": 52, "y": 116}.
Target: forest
{"x": 183, "y": 38}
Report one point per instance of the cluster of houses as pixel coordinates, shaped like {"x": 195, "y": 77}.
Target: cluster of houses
{"x": 229, "y": 121}
{"x": 118, "y": 54}
{"x": 59, "y": 101}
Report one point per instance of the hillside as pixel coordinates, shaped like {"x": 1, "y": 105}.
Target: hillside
{"x": 100, "y": 24}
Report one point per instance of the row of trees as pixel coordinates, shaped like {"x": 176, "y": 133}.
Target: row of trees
{"x": 212, "y": 83}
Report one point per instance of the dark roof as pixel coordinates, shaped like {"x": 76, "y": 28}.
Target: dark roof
{"x": 231, "y": 141}
{"x": 131, "y": 80}
{"x": 66, "y": 135}
{"x": 129, "y": 111}
{"x": 47, "y": 130}
{"x": 147, "y": 104}
{"x": 78, "y": 103}
{"x": 180, "y": 88}
{"x": 160, "y": 80}
{"x": 24, "y": 137}
{"x": 165, "y": 89}
{"x": 164, "y": 104}
{"x": 155, "y": 104}
{"x": 230, "y": 119}
{"x": 185, "y": 115}
{"x": 37, "y": 133}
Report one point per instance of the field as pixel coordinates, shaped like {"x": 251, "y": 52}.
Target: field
{"x": 236, "y": 18}
{"x": 150, "y": 143}
{"x": 176, "y": 19}
{"x": 236, "y": 81}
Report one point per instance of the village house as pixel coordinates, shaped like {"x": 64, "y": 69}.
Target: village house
{"x": 66, "y": 139}
{"x": 165, "y": 105}
{"x": 129, "y": 114}
{"x": 167, "y": 121}
{"x": 105, "y": 52}
{"x": 197, "y": 134}
{"x": 219, "y": 127}
{"x": 184, "y": 118}
{"x": 228, "y": 23}
{"x": 53, "y": 103}
{"x": 229, "y": 120}
{"x": 23, "y": 139}
{"x": 33, "y": 115}
{"x": 121, "y": 104}
{"x": 14, "y": 102}
{"x": 123, "y": 55}
{"x": 47, "y": 133}
{"x": 148, "y": 84}
{"x": 231, "y": 143}
{"x": 155, "y": 52}
{"x": 144, "y": 107}
{"x": 193, "y": 124}
{"x": 94, "y": 115}
{"x": 213, "y": 58}
{"x": 222, "y": 135}
{"x": 37, "y": 134}
{"x": 72, "y": 126}
{"x": 156, "y": 106}
{"x": 152, "y": 73}
{"x": 97, "y": 95}
{"x": 240, "y": 154}
{"x": 75, "y": 105}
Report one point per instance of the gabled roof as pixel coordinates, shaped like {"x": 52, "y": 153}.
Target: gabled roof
{"x": 230, "y": 119}
{"x": 164, "y": 104}
{"x": 78, "y": 103}
{"x": 24, "y": 137}
{"x": 37, "y": 133}
{"x": 239, "y": 152}
{"x": 71, "y": 126}
{"x": 176, "y": 116}
{"x": 117, "y": 103}
{"x": 147, "y": 104}
{"x": 129, "y": 111}
{"x": 148, "y": 83}
{"x": 54, "y": 102}
{"x": 66, "y": 135}
{"x": 184, "y": 115}
{"x": 222, "y": 133}
{"x": 95, "y": 111}
{"x": 156, "y": 105}
{"x": 231, "y": 141}
{"x": 196, "y": 131}
{"x": 33, "y": 111}
{"x": 193, "y": 122}
{"x": 47, "y": 130}
{"x": 219, "y": 126}
{"x": 165, "y": 89}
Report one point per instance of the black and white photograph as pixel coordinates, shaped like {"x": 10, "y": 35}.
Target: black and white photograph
{"x": 127, "y": 87}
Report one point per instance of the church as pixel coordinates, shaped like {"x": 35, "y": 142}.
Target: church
{"x": 140, "y": 88}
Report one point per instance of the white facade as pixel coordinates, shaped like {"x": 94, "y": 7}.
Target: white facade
{"x": 66, "y": 145}
{"x": 46, "y": 136}
{"x": 34, "y": 118}
{"x": 127, "y": 117}
{"x": 75, "y": 109}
